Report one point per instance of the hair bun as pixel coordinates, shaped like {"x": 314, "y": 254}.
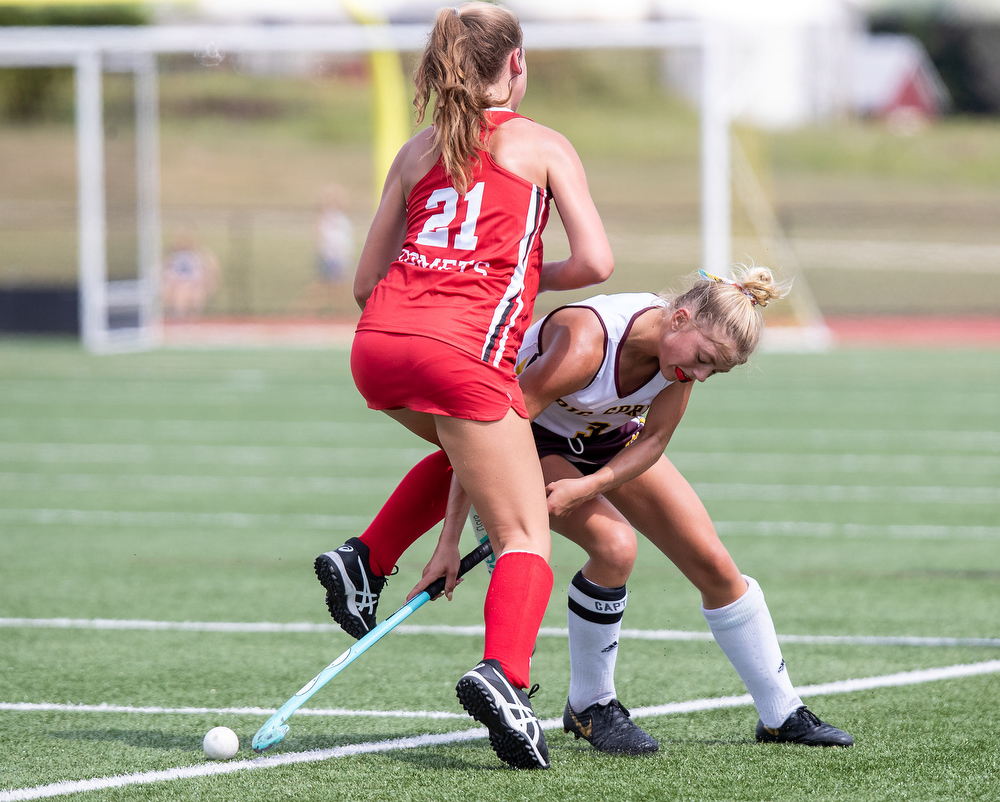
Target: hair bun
{"x": 759, "y": 281}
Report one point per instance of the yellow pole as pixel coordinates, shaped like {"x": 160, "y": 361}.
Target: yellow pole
{"x": 392, "y": 122}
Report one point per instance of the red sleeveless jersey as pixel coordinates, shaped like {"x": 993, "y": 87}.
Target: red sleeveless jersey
{"x": 468, "y": 271}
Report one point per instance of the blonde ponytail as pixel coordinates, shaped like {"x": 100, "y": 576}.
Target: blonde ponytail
{"x": 760, "y": 282}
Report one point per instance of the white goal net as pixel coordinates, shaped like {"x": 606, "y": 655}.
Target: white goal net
{"x": 240, "y": 155}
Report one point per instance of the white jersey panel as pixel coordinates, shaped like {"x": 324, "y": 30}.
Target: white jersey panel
{"x": 599, "y": 408}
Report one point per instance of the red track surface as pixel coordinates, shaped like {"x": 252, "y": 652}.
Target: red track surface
{"x": 917, "y": 332}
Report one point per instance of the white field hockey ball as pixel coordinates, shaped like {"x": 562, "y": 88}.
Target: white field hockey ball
{"x": 221, "y": 743}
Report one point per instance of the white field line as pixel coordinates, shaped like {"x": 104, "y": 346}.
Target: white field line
{"x": 133, "y": 393}
{"x": 707, "y": 460}
{"x": 212, "y": 769}
{"x": 173, "y": 483}
{"x": 199, "y": 454}
{"x": 469, "y": 631}
{"x": 773, "y": 463}
{"x": 815, "y": 529}
{"x": 202, "y": 431}
{"x": 706, "y": 437}
{"x": 316, "y": 401}
{"x": 313, "y": 431}
{"x": 866, "y": 442}
{"x": 284, "y": 434}
{"x": 248, "y": 520}
{"x": 211, "y": 520}
{"x": 851, "y": 494}
{"x": 299, "y": 485}
{"x": 827, "y": 688}
{"x": 227, "y": 711}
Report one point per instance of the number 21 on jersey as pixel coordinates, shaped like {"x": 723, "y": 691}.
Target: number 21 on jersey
{"x": 437, "y": 230}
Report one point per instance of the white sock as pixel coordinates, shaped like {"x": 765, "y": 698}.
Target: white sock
{"x": 595, "y": 620}
{"x": 746, "y": 634}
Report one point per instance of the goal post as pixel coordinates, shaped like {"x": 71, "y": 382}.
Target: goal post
{"x": 391, "y": 122}
{"x": 126, "y": 314}
{"x": 120, "y": 314}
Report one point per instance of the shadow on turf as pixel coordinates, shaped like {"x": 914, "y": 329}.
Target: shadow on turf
{"x": 556, "y": 740}
{"x": 485, "y": 760}
{"x": 147, "y": 739}
{"x": 156, "y": 739}
{"x": 449, "y": 758}
{"x": 444, "y": 757}
{"x": 418, "y": 756}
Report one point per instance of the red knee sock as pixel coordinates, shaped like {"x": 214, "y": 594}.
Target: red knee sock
{"x": 515, "y": 603}
{"x": 417, "y": 504}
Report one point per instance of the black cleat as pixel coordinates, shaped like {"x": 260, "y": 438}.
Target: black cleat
{"x": 609, "y": 728}
{"x": 352, "y": 588}
{"x": 515, "y": 732}
{"x": 804, "y": 727}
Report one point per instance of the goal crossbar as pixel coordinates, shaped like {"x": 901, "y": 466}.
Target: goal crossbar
{"x": 88, "y": 50}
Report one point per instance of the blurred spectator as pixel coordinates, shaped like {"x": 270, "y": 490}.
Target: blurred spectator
{"x": 334, "y": 254}
{"x": 334, "y": 236}
{"x": 190, "y": 276}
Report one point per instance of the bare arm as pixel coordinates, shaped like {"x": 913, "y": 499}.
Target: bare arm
{"x": 385, "y": 237}
{"x": 388, "y": 229}
{"x": 591, "y": 260}
{"x": 547, "y": 159}
{"x": 447, "y": 556}
{"x": 572, "y": 349}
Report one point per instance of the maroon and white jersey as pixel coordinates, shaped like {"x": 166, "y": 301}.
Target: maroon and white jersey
{"x": 602, "y": 412}
{"x": 469, "y": 267}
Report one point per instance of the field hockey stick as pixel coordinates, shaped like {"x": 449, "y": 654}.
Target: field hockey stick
{"x": 275, "y": 728}
{"x": 480, "y": 532}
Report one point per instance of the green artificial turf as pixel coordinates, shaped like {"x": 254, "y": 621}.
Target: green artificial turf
{"x": 858, "y": 487}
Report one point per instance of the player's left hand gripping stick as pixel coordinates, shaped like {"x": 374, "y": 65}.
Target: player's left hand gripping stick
{"x": 275, "y": 728}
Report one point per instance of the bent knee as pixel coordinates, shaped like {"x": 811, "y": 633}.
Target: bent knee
{"x": 612, "y": 556}
{"x": 719, "y": 580}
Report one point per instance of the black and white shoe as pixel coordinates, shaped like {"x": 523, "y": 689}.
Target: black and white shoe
{"x": 352, "y": 588}
{"x": 803, "y": 727}
{"x": 515, "y": 733}
{"x": 609, "y": 728}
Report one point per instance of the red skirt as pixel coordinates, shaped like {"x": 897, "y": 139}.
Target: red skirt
{"x": 397, "y": 371}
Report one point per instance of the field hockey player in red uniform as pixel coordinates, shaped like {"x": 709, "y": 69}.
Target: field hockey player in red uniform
{"x": 447, "y": 279}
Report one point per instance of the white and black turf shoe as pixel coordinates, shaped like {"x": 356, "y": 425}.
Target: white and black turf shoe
{"x": 609, "y": 728}
{"x": 352, "y": 588}
{"x": 515, "y": 732}
{"x": 804, "y": 727}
